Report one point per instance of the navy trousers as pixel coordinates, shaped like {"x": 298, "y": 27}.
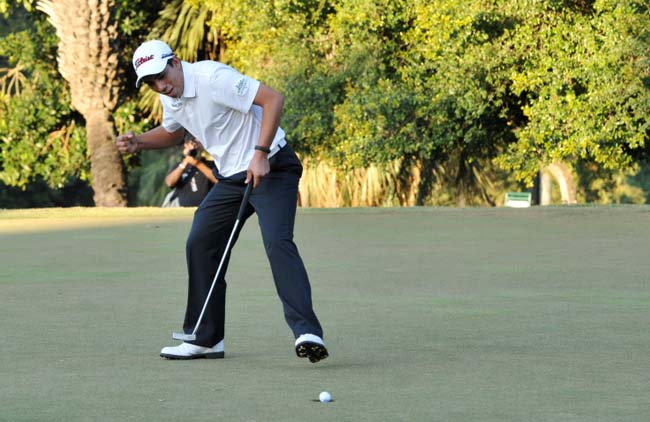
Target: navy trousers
{"x": 274, "y": 201}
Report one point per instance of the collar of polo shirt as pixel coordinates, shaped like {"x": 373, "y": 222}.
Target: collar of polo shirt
{"x": 189, "y": 86}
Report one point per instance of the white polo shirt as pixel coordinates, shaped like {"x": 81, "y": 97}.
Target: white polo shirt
{"x": 217, "y": 108}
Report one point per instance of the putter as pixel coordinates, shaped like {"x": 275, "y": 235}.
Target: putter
{"x": 242, "y": 208}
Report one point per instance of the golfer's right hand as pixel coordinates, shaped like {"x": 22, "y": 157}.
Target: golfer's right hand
{"x": 127, "y": 143}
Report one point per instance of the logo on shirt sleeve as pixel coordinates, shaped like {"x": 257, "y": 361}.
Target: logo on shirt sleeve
{"x": 242, "y": 85}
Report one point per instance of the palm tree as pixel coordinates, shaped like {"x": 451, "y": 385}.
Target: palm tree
{"x": 88, "y": 60}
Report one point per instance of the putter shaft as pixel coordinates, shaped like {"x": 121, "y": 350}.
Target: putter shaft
{"x": 240, "y": 215}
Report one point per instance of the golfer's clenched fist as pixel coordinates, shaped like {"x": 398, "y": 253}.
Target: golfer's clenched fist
{"x": 127, "y": 143}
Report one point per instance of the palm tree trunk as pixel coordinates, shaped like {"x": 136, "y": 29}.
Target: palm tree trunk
{"x": 88, "y": 60}
{"x": 106, "y": 167}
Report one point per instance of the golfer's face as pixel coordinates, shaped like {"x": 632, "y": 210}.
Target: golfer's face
{"x": 169, "y": 82}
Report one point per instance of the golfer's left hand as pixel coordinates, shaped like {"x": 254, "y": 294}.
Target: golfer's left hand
{"x": 258, "y": 168}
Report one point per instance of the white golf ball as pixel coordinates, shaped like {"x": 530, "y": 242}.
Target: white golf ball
{"x": 325, "y": 397}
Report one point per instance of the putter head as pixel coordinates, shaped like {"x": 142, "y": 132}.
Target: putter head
{"x": 183, "y": 336}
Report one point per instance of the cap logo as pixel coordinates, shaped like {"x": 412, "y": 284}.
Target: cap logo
{"x": 142, "y": 60}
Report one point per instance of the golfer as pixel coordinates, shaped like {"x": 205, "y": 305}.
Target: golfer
{"x": 237, "y": 118}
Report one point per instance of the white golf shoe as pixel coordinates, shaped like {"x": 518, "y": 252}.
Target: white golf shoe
{"x": 311, "y": 346}
{"x": 186, "y": 351}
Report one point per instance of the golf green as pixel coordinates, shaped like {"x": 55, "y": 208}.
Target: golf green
{"x": 430, "y": 314}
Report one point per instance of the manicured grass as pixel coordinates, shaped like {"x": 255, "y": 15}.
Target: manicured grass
{"x": 430, "y": 314}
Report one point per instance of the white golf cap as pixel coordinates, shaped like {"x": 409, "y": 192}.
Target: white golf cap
{"x": 151, "y": 58}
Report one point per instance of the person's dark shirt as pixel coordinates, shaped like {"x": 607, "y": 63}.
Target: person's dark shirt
{"x": 192, "y": 186}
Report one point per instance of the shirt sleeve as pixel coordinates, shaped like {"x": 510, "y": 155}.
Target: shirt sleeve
{"x": 232, "y": 89}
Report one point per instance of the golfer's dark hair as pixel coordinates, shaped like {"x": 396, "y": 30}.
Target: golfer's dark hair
{"x": 150, "y": 78}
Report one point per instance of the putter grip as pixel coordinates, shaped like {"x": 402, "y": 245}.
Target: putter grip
{"x": 244, "y": 201}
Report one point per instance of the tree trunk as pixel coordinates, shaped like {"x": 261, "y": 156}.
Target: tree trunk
{"x": 545, "y": 188}
{"x": 562, "y": 174}
{"x": 106, "y": 167}
{"x": 564, "y": 178}
{"x": 88, "y": 59}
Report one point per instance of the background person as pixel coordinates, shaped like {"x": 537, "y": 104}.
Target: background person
{"x": 191, "y": 179}
{"x": 238, "y": 120}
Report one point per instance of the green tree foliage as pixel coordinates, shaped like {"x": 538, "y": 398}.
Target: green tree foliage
{"x": 584, "y": 73}
{"x": 8, "y": 6}
{"x": 457, "y": 87}
{"x": 371, "y": 81}
{"x": 42, "y": 141}
{"x": 40, "y": 137}
{"x": 456, "y": 83}
{"x": 433, "y": 90}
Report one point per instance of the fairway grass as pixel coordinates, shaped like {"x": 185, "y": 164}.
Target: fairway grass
{"x": 430, "y": 314}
